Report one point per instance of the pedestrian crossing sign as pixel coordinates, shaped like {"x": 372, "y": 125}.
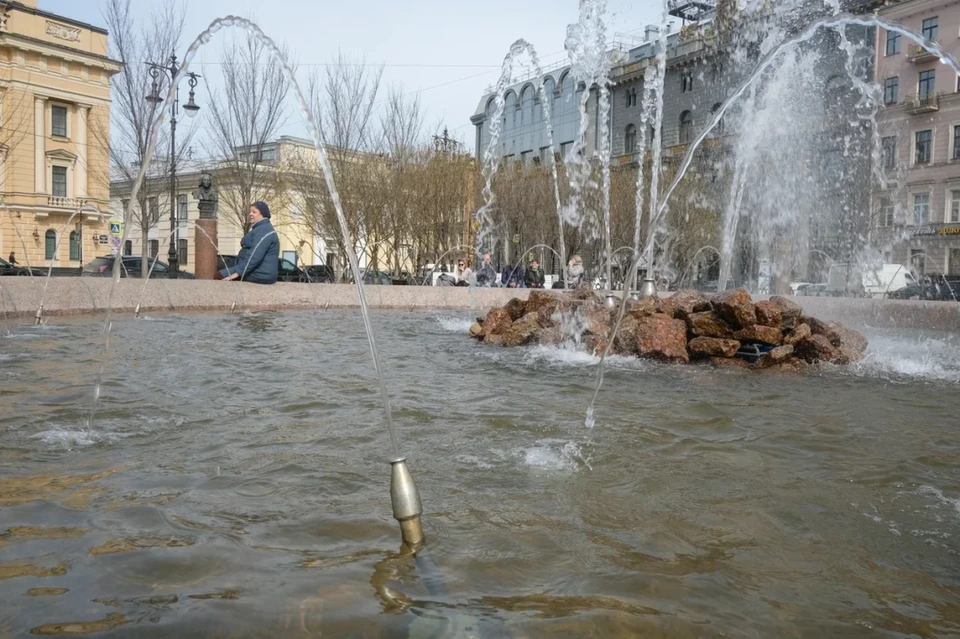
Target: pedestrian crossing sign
{"x": 116, "y": 229}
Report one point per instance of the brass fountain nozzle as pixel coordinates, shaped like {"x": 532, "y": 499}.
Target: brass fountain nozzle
{"x": 39, "y": 315}
{"x": 648, "y": 288}
{"x": 406, "y": 504}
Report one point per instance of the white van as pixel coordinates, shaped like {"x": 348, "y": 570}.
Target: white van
{"x": 887, "y": 279}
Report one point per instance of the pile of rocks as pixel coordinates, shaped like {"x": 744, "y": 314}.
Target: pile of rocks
{"x": 687, "y": 327}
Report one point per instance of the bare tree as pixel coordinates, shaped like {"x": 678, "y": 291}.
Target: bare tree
{"x": 246, "y": 116}
{"x": 134, "y": 43}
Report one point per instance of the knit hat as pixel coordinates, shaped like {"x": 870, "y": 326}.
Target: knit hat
{"x": 263, "y": 208}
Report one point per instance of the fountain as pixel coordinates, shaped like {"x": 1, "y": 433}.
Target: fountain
{"x": 225, "y": 483}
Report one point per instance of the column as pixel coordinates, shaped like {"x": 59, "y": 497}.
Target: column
{"x": 81, "y": 185}
{"x": 40, "y": 144}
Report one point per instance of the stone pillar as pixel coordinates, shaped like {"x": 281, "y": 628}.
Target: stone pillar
{"x": 81, "y": 186}
{"x": 40, "y": 144}
{"x": 205, "y": 248}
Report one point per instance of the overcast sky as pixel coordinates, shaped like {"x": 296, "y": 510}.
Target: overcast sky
{"x": 449, "y": 50}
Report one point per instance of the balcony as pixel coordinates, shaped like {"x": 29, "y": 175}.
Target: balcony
{"x": 64, "y": 202}
{"x": 918, "y": 55}
{"x": 916, "y": 105}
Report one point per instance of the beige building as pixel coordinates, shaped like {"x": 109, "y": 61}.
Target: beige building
{"x": 918, "y": 222}
{"x": 54, "y": 136}
{"x": 298, "y": 242}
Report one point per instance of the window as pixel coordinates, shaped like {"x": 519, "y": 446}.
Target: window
{"x": 956, "y": 143}
{"x": 893, "y": 43}
{"x": 630, "y": 140}
{"x": 930, "y": 28}
{"x": 891, "y": 89}
{"x": 154, "y": 248}
{"x": 182, "y": 207}
{"x": 290, "y": 256}
{"x": 886, "y": 211}
{"x": 74, "y": 246}
{"x": 545, "y": 154}
{"x": 889, "y": 152}
{"x": 953, "y": 268}
{"x": 50, "y": 245}
{"x": 924, "y": 144}
{"x": 921, "y": 209}
{"x": 918, "y": 261}
{"x": 526, "y": 156}
{"x": 153, "y": 210}
{"x": 182, "y": 252}
{"x": 955, "y": 205}
{"x": 128, "y": 247}
{"x": 719, "y": 128}
{"x": 565, "y": 149}
{"x": 59, "y": 183}
{"x": 631, "y": 97}
{"x": 927, "y": 86}
{"x": 58, "y": 121}
{"x": 686, "y": 82}
{"x": 686, "y": 127}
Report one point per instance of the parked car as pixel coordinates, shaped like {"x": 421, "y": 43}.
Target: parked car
{"x": 287, "y": 271}
{"x": 130, "y": 266}
{"x": 6, "y": 268}
{"x": 382, "y": 278}
{"x": 320, "y": 274}
{"x": 933, "y": 288}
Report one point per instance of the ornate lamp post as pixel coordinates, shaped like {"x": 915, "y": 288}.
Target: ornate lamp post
{"x": 168, "y": 72}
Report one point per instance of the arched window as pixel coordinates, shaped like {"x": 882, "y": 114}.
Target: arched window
{"x": 686, "y": 127}
{"x": 74, "y": 246}
{"x": 719, "y": 128}
{"x": 510, "y": 111}
{"x": 566, "y": 89}
{"x": 549, "y": 89}
{"x": 50, "y": 245}
{"x": 630, "y": 140}
{"x": 526, "y": 105}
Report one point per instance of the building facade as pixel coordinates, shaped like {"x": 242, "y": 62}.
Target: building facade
{"x": 918, "y": 216}
{"x": 55, "y": 79}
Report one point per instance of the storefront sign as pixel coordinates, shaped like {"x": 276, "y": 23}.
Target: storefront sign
{"x": 104, "y": 239}
{"x": 954, "y": 230}
{"x": 924, "y": 231}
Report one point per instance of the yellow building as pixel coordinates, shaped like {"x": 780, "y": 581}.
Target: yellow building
{"x": 54, "y": 136}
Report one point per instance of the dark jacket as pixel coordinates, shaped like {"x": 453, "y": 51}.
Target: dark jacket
{"x": 259, "y": 256}
{"x": 486, "y": 276}
{"x": 512, "y": 276}
{"x": 534, "y": 278}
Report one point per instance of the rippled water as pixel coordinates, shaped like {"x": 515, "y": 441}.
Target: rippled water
{"x": 236, "y": 485}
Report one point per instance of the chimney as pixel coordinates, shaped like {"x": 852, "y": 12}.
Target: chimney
{"x": 651, "y": 33}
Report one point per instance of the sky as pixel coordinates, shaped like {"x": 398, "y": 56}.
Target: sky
{"x": 449, "y": 51}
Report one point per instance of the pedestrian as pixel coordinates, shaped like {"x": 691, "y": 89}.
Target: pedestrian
{"x": 486, "y": 274}
{"x": 574, "y": 276}
{"x": 464, "y": 274}
{"x": 511, "y": 277}
{"x": 13, "y": 258}
{"x": 259, "y": 257}
{"x": 534, "y": 277}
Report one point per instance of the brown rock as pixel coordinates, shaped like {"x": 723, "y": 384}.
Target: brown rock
{"x": 517, "y": 309}
{"x": 552, "y": 336}
{"x": 769, "y": 314}
{"x": 774, "y": 357}
{"x": 847, "y": 355}
{"x": 757, "y": 334}
{"x": 817, "y": 348}
{"x": 595, "y": 345}
{"x": 493, "y": 339}
{"x": 713, "y": 347}
{"x": 538, "y": 299}
{"x": 708, "y": 325}
{"x": 476, "y": 331}
{"x": 790, "y": 311}
{"x": 643, "y": 308}
{"x": 523, "y": 331}
{"x": 846, "y": 338}
{"x": 790, "y": 365}
{"x": 798, "y": 334}
{"x": 736, "y": 308}
{"x": 497, "y": 321}
{"x": 816, "y": 326}
{"x": 549, "y": 314}
{"x": 597, "y": 318}
{"x": 625, "y": 341}
{"x": 663, "y": 338}
{"x": 724, "y": 362}
{"x": 584, "y": 293}
{"x": 685, "y": 303}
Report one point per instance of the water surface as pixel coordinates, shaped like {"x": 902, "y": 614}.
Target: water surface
{"x": 235, "y": 484}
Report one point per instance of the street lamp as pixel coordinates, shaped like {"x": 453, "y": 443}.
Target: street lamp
{"x": 169, "y": 72}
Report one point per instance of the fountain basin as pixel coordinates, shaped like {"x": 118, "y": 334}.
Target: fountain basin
{"x": 235, "y": 481}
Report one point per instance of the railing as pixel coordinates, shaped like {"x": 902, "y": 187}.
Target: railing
{"x": 917, "y": 54}
{"x": 922, "y": 103}
{"x": 64, "y": 202}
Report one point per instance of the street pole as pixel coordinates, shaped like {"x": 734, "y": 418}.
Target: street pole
{"x": 157, "y": 71}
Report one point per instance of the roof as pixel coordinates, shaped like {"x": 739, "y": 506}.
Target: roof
{"x": 46, "y": 14}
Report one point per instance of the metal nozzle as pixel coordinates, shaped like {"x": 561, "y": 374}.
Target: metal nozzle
{"x": 648, "y": 288}
{"x": 136, "y": 311}
{"x": 611, "y": 301}
{"x": 406, "y": 504}
{"x": 233, "y": 307}
{"x": 39, "y": 315}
